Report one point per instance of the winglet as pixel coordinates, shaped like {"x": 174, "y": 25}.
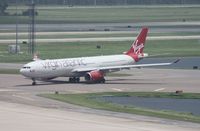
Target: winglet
{"x": 176, "y": 61}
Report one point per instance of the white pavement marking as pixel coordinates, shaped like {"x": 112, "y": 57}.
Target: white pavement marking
{"x": 160, "y": 89}
{"x": 23, "y": 97}
{"x": 116, "y": 89}
{"x": 8, "y": 90}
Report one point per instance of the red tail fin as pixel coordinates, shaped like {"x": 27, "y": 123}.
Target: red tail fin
{"x": 138, "y": 45}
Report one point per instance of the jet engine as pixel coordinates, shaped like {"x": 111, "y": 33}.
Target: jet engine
{"x": 95, "y": 76}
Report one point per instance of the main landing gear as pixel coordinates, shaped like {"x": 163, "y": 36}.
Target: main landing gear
{"x": 34, "y": 82}
{"x": 100, "y": 81}
{"x": 96, "y": 81}
{"x": 103, "y": 80}
{"x": 74, "y": 79}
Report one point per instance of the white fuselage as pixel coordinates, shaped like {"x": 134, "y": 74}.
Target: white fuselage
{"x": 92, "y": 68}
{"x": 47, "y": 69}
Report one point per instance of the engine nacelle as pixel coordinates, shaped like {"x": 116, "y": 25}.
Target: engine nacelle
{"x": 95, "y": 76}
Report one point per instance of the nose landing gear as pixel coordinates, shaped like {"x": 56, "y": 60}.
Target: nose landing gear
{"x": 34, "y": 82}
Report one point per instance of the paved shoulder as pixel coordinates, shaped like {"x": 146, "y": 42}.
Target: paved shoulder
{"x": 20, "y": 117}
{"x": 11, "y": 65}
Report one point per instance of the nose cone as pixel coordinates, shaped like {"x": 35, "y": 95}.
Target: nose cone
{"x": 22, "y": 71}
{"x": 25, "y": 72}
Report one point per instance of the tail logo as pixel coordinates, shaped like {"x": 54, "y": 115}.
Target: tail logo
{"x": 137, "y": 48}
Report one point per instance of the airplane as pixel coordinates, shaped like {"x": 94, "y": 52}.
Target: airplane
{"x": 93, "y": 68}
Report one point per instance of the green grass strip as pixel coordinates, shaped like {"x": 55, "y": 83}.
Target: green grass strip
{"x": 118, "y": 14}
{"x": 88, "y": 101}
{"x": 170, "y": 48}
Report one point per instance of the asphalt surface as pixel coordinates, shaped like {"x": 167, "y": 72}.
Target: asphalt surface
{"x": 21, "y": 108}
{"x": 104, "y": 39}
{"x": 155, "y": 27}
{"x": 11, "y": 65}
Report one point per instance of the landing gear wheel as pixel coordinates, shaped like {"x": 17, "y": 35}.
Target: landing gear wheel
{"x": 74, "y": 79}
{"x": 77, "y": 80}
{"x": 33, "y": 83}
{"x": 103, "y": 80}
{"x": 70, "y": 80}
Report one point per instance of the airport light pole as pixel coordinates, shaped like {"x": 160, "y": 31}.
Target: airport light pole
{"x": 32, "y": 28}
{"x": 16, "y": 46}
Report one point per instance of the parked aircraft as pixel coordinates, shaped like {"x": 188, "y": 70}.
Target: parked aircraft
{"x": 93, "y": 69}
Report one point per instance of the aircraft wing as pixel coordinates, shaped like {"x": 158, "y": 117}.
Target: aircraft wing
{"x": 110, "y": 68}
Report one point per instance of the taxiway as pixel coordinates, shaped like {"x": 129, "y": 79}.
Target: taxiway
{"x": 21, "y": 108}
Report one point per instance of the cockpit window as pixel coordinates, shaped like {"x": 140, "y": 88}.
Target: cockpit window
{"x": 26, "y": 67}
